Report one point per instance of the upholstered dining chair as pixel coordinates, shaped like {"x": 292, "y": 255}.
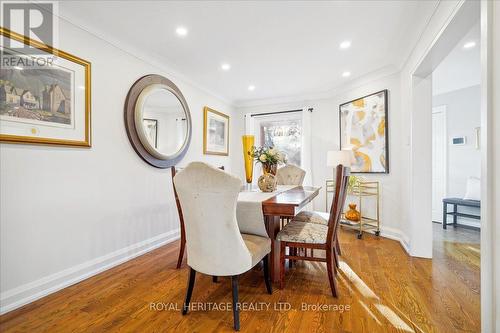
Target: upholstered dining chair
{"x": 316, "y": 236}
{"x": 173, "y": 171}
{"x": 290, "y": 175}
{"x": 215, "y": 245}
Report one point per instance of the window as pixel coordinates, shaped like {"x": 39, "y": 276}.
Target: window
{"x": 282, "y": 131}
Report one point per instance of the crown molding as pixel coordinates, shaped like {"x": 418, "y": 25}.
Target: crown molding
{"x": 326, "y": 94}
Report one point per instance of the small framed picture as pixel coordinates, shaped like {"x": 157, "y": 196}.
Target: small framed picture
{"x": 215, "y": 132}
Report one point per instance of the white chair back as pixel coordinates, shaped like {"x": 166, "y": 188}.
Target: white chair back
{"x": 290, "y": 175}
{"x": 208, "y": 199}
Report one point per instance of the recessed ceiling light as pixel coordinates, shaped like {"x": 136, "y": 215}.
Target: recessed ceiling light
{"x": 345, "y": 44}
{"x": 469, "y": 45}
{"x": 181, "y": 31}
{"x": 225, "y": 67}
{"x": 251, "y": 87}
{"x": 346, "y": 74}
{"x": 19, "y": 68}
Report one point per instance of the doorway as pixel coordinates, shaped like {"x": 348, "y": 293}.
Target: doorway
{"x": 463, "y": 18}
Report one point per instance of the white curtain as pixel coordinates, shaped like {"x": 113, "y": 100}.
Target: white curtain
{"x": 306, "y": 153}
{"x": 181, "y": 131}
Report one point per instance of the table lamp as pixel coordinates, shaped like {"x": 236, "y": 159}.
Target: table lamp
{"x": 336, "y": 157}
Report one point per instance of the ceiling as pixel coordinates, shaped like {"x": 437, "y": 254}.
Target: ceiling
{"x": 462, "y": 66}
{"x": 282, "y": 48}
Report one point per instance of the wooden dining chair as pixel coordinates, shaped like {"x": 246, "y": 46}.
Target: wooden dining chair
{"x": 316, "y": 236}
{"x": 215, "y": 245}
{"x": 173, "y": 171}
{"x": 306, "y": 216}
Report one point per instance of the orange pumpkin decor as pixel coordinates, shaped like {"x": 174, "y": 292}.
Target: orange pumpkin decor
{"x": 352, "y": 214}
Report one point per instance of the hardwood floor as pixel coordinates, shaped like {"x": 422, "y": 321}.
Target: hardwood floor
{"x": 381, "y": 289}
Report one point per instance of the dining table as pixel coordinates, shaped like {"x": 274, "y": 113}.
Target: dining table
{"x": 285, "y": 202}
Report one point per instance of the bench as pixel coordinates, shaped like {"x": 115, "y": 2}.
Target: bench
{"x": 458, "y": 202}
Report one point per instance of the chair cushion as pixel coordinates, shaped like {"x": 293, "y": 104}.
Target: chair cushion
{"x": 312, "y": 217}
{"x": 258, "y": 246}
{"x": 301, "y": 232}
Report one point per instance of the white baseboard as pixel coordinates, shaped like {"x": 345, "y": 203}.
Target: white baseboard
{"x": 29, "y": 292}
{"x": 397, "y": 235}
{"x": 405, "y": 243}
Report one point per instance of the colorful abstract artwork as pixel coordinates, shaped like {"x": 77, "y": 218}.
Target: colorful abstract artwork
{"x": 363, "y": 128}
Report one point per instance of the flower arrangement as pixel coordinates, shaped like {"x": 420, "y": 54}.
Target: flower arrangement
{"x": 269, "y": 157}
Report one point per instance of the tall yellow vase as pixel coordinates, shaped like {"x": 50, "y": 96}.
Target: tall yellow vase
{"x": 248, "y": 143}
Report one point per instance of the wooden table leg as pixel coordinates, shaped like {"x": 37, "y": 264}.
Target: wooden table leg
{"x": 273, "y": 227}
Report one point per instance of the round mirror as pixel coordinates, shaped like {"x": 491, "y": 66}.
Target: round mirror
{"x": 158, "y": 121}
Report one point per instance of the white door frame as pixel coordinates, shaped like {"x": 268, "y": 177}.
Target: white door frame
{"x": 443, "y": 109}
{"x": 421, "y": 167}
{"x": 420, "y": 147}
{"x": 489, "y": 310}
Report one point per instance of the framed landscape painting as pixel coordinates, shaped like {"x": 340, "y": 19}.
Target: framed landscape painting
{"x": 44, "y": 95}
{"x": 215, "y": 132}
{"x": 363, "y": 128}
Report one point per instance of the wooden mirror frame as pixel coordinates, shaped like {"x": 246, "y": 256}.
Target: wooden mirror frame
{"x": 129, "y": 114}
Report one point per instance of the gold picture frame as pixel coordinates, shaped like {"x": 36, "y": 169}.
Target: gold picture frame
{"x": 83, "y": 136}
{"x": 215, "y": 132}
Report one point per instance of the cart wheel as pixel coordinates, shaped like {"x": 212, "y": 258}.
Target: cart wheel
{"x": 360, "y": 235}
{"x": 377, "y": 233}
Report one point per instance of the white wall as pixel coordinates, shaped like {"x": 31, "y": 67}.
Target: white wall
{"x": 325, "y": 137}
{"x": 463, "y": 115}
{"x": 67, "y": 213}
{"x": 494, "y": 150}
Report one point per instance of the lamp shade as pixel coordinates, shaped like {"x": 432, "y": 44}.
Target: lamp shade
{"x": 336, "y": 157}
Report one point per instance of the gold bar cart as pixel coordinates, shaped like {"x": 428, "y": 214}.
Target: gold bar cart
{"x": 361, "y": 189}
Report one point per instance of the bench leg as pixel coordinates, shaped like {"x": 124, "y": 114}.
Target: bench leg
{"x": 445, "y": 214}
{"x": 455, "y": 210}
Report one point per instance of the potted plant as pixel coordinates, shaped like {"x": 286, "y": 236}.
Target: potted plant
{"x": 353, "y": 183}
